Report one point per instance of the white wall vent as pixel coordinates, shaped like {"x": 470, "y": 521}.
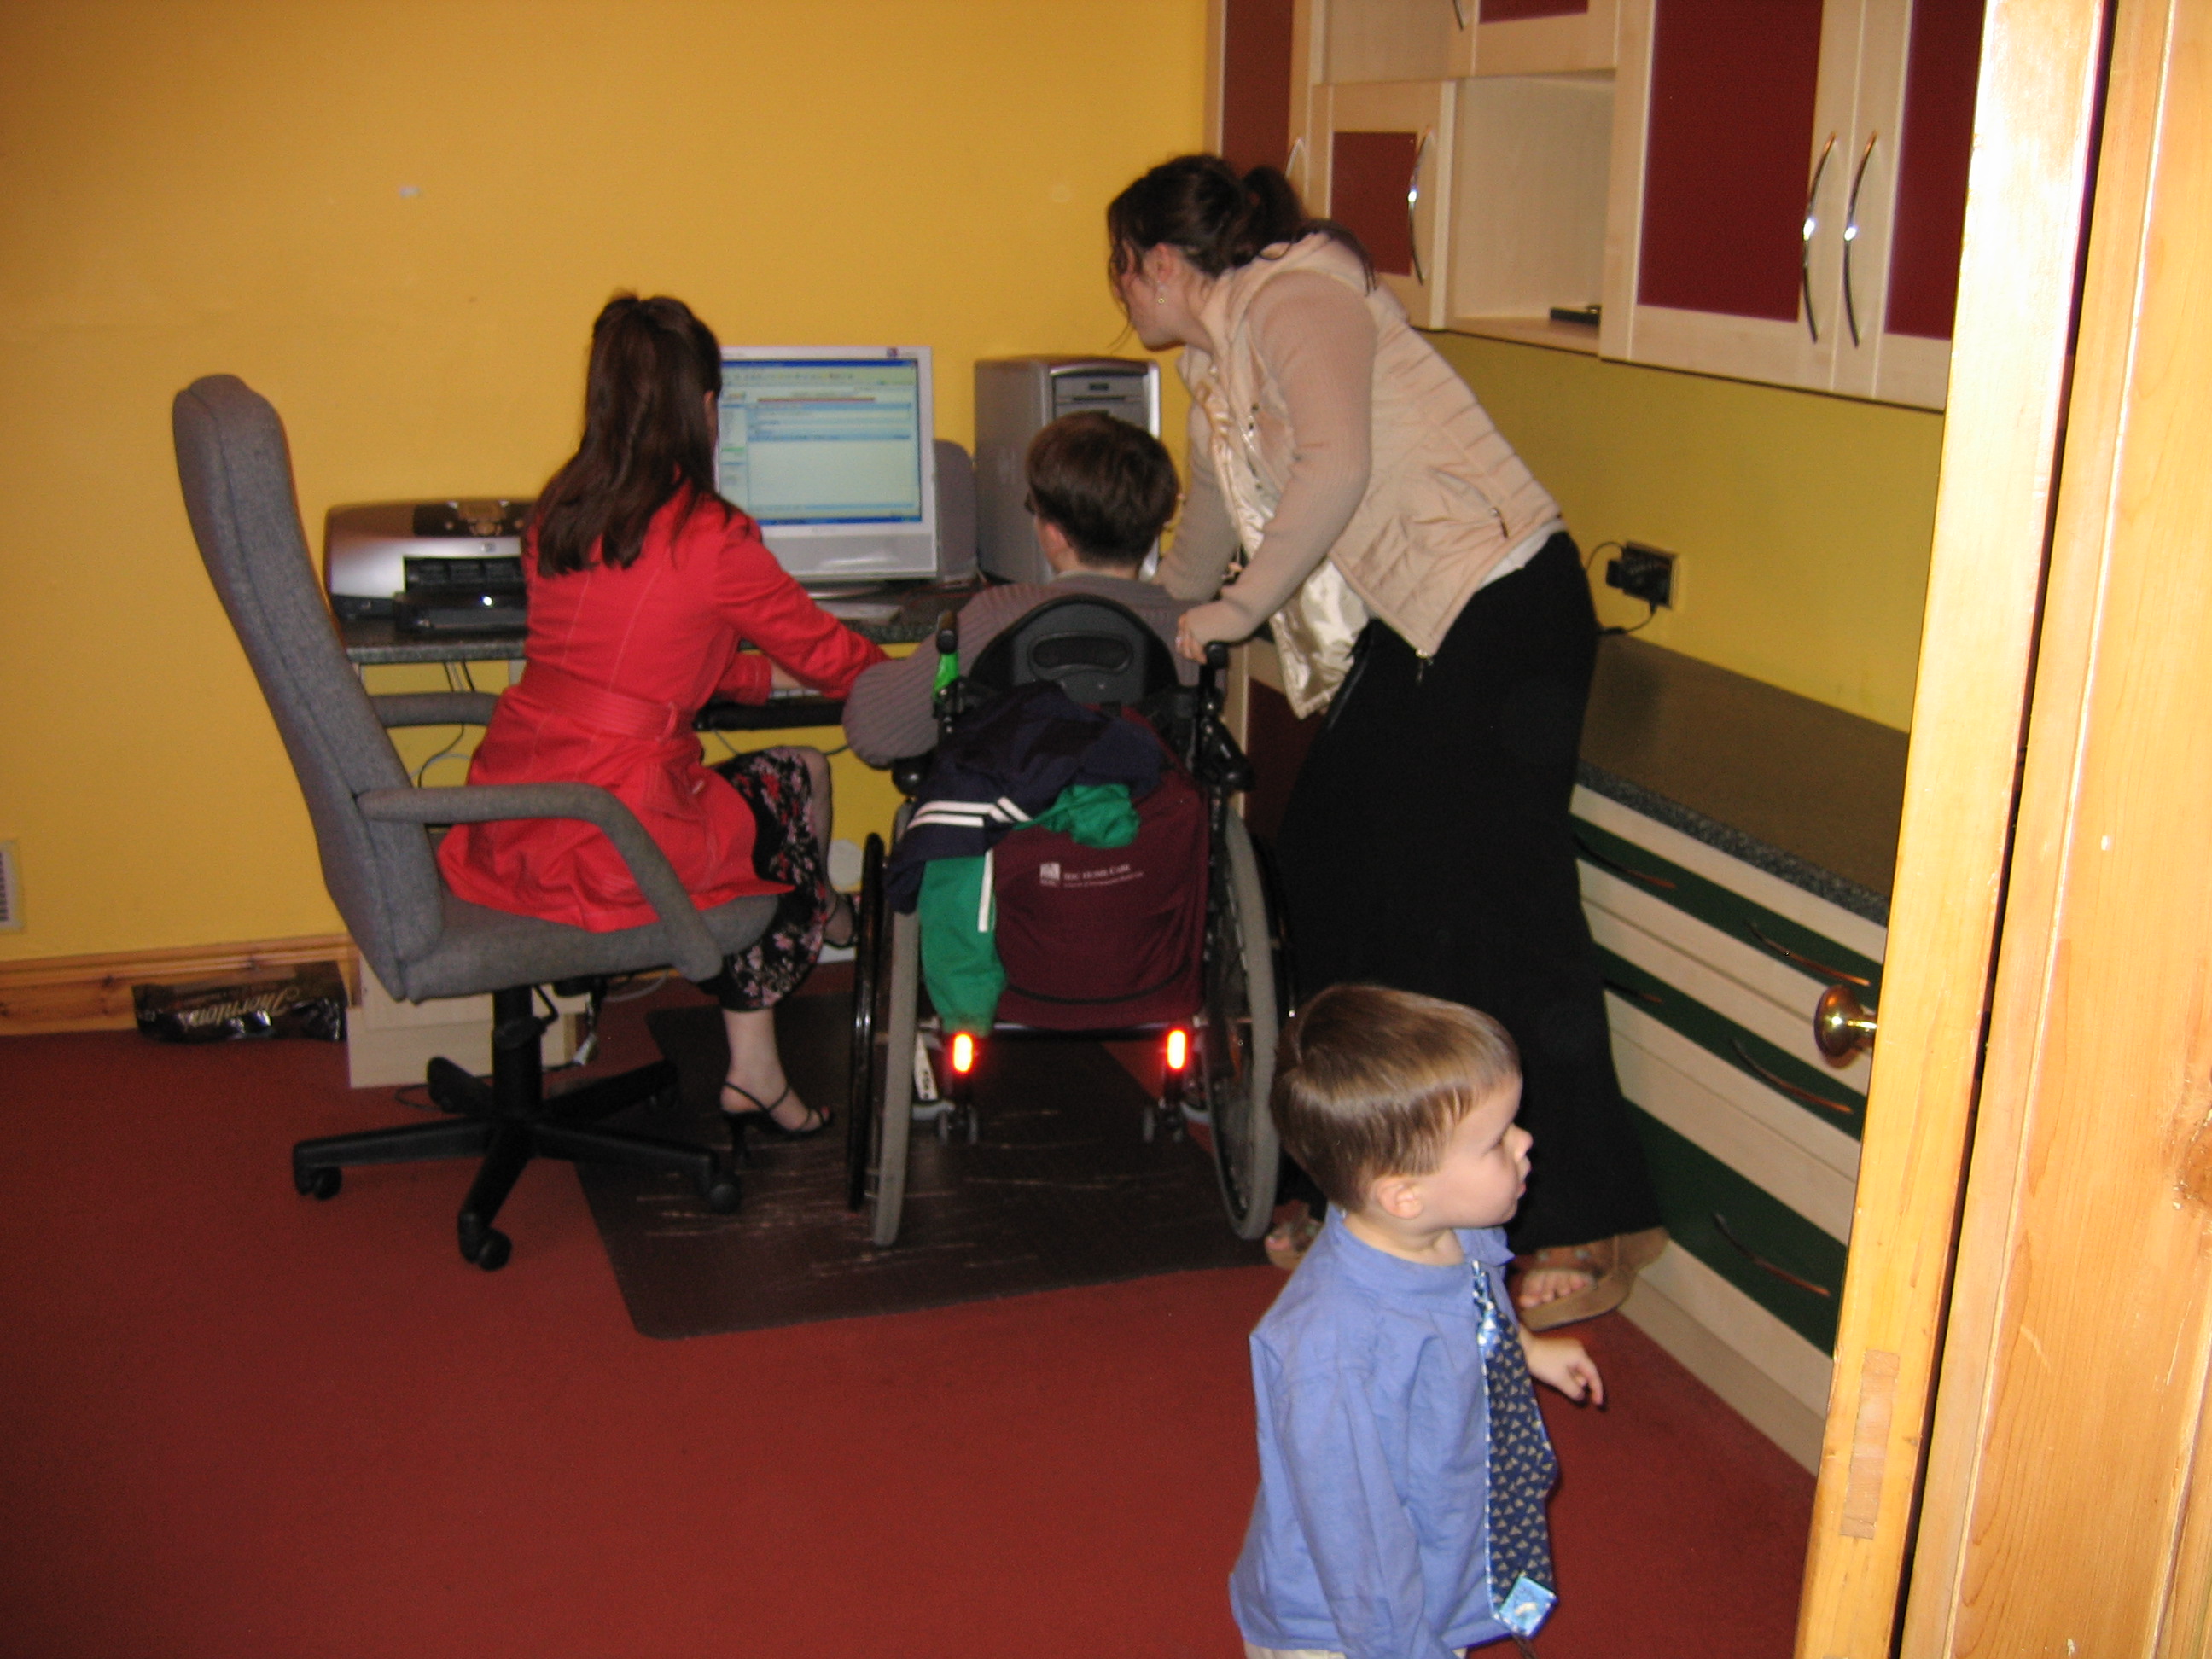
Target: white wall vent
{"x": 11, "y": 888}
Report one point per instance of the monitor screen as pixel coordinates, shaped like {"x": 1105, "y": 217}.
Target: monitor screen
{"x": 829, "y": 449}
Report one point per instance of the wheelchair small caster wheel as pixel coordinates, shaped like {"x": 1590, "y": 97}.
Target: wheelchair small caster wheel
{"x": 945, "y": 1127}
{"x": 1151, "y": 1126}
{"x": 318, "y": 1184}
{"x": 721, "y": 1194}
{"x": 974, "y": 1122}
{"x": 493, "y": 1250}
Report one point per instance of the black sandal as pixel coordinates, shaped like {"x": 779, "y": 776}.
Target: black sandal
{"x": 763, "y": 1116}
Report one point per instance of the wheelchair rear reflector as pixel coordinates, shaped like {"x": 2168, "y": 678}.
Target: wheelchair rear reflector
{"x": 964, "y": 1053}
{"x": 1178, "y": 1048}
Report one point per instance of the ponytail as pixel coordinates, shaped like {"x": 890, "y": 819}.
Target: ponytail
{"x": 1199, "y": 206}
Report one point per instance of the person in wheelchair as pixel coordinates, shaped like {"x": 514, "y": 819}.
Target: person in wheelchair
{"x": 1028, "y": 923}
{"x": 1101, "y": 490}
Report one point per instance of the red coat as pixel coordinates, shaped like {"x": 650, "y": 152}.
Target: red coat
{"x": 618, "y": 662}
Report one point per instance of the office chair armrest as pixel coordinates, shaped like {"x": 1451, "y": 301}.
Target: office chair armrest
{"x": 435, "y": 708}
{"x": 695, "y": 954}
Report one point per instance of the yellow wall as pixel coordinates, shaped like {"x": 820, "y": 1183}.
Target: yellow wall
{"x": 1802, "y": 521}
{"x": 222, "y": 186}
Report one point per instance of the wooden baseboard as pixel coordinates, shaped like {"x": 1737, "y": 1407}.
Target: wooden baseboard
{"x": 92, "y": 993}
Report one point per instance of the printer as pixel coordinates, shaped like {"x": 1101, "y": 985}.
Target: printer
{"x": 448, "y": 567}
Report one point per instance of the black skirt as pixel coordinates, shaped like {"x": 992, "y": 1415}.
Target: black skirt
{"x": 1427, "y": 846}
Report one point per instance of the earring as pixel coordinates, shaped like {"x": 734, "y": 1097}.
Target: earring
{"x": 1160, "y": 294}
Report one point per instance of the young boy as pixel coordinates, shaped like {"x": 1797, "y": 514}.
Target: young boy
{"x": 1101, "y": 491}
{"x": 1403, "y": 1468}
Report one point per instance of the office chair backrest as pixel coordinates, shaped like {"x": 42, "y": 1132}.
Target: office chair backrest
{"x": 1094, "y": 650}
{"x": 236, "y": 471}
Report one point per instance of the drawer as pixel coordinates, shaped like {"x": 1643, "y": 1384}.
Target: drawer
{"x": 1746, "y": 1236}
{"x": 1810, "y": 1166}
{"x": 1767, "y": 1053}
{"x": 1764, "y": 934}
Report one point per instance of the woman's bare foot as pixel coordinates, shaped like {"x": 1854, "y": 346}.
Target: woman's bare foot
{"x": 783, "y": 1108}
{"x": 1541, "y": 1284}
{"x": 753, "y": 1085}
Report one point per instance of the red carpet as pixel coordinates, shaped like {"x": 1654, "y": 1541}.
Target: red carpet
{"x": 241, "y": 1424}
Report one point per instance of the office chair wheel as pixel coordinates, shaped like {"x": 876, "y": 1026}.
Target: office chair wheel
{"x": 720, "y": 1194}
{"x": 318, "y": 1184}
{"x": 492, "y": 1250}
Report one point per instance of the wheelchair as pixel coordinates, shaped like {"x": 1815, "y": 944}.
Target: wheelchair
{"x": 1219, "y": 1062}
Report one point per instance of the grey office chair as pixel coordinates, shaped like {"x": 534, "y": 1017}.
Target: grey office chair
{"x": 373, "y": 831}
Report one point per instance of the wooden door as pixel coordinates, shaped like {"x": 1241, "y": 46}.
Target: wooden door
{"x": 2066, "y": 1507}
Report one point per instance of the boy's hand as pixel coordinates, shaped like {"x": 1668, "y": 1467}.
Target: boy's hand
{"x": 1565, "y": 1364}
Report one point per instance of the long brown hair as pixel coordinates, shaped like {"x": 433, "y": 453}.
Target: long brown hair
{"x": 647, "y": 435}
{"x": 1198, "y": 205}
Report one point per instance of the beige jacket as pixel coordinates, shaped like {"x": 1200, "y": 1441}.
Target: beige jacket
{"x": 1414, "y": 525}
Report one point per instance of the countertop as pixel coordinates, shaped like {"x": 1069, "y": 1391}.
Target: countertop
{"x": 1806, "y": 792}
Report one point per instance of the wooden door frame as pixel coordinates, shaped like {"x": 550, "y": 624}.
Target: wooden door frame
{"x": 2032, "y": 124}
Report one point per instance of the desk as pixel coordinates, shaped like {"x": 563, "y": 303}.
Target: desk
{"x": 375, "y": 643}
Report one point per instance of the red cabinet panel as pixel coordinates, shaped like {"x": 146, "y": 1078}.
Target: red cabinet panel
{"x": 1512, "y": 11}
{"x": 1256, "y": 83}
{"x": 1734, "y": 84}
{"x": 1369, "y": 174}
{"x": 1935, "y": 148}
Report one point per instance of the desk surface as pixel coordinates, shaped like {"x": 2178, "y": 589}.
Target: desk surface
{"x": 369, "y": 643}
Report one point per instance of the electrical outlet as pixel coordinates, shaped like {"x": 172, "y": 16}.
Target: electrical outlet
{"x": 1644, "y": 573}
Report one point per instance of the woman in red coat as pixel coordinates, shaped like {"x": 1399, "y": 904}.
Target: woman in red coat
{"x": 645, "y": 586}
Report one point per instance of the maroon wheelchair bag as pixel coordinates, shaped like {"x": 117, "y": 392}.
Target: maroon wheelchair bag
{"x": 1095, "y": 936}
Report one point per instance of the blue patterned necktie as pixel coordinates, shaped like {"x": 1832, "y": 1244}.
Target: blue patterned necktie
{"x": 1521, "y": 1471}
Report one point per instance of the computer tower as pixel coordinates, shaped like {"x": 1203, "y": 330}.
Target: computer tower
{"x": 1014, "y": 397}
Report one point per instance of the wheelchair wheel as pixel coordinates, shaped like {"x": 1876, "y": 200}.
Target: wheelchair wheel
{"x": 1236, "y": 1047}
{"x": 893, "y": 1113}
{"x": 867, "y": 993}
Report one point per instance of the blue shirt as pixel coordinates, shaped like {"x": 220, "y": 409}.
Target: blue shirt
{"x": 1370, "y": 1535}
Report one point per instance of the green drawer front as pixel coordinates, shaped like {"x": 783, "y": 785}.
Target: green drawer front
{"x": 1803, "y": 1085}
{"x": 1777, "y": 1258}
{"x": 1788, "y": 942}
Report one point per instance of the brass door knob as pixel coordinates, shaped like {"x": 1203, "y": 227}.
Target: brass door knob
{"x": 1841, "y": 1024}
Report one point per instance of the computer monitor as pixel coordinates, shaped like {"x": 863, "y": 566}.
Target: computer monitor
{"x": 830, "y": 448}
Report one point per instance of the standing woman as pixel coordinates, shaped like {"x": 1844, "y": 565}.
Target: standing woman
{"x": 644, "y": 585}
{"x": 1421, "y": 589}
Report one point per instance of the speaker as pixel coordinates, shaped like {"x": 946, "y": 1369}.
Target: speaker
{"x": 956, "y": 513}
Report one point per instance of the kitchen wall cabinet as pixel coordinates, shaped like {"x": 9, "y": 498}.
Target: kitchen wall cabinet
{"x": 1787, "y": 182}
{"x": 1769, "y": 190}
{"x": 1446, "y": 39}
{"x": 1385, "y": 155}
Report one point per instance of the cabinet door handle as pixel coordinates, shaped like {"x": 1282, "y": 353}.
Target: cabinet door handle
{"x": 1618, "y": 868}
{"x": 1459, "y": 16}
{"x": 1758, "y": 1261}
{"x": 1851, "y": 235}
{"x": 1775, "y": 1081}
{"x": 1801, "y": 961}
{"x": 1412, "y": 202}
{"x": 1290, "y": 162}
{"x": 1812, "y": 224}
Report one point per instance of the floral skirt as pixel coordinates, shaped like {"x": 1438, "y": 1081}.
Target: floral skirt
{"x": 775, "y": 784}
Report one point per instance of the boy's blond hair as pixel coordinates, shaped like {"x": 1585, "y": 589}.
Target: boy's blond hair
{"x": 1371, "y": 1081}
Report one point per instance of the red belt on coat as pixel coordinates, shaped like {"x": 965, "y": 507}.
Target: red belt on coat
{"x": 616, "y": 713}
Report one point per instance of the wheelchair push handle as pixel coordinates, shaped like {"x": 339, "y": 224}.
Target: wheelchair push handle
{"x": 1216, "y": 653}
{"x": 948, "y": 634}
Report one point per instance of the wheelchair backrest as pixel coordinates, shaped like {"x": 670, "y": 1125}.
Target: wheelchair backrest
{"x": 1096, "y": 651}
